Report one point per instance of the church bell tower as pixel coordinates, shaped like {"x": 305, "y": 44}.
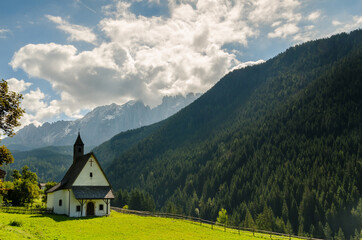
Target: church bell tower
{"x": 78, "y": 148}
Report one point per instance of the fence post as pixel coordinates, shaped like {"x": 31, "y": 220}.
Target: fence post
{"x": 253, "y": 232}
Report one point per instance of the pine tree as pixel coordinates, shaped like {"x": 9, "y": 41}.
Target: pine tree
{"x": 340, "y": 235}
{"x": 327, "y": 231}
{"x": 249, "y": 221}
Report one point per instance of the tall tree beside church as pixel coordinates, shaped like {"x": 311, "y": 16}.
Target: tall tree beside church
{"x": 10, "y": 114}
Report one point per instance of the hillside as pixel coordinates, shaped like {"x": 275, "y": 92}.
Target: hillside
{"x": 49, "y": 163}
{"x": 97, "y": 126}
{"x": 277, "y": 144}
{"x": 117, "y": 226}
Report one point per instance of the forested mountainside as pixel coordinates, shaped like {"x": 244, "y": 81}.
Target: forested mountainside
{"x": 278, "y": 145}
{"x": 97, "y": 126}
{"x": 49, "y": 163}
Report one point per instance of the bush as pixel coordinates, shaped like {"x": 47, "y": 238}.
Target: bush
{"x": 15, "y": 223}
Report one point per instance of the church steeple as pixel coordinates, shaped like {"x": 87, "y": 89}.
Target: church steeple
{"x": 78, "y": 148}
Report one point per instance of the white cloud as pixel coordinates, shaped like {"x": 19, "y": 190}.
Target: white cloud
{"x": 18, "y": 86}
{"x": 357, "y": 23}
{"x": 314, "y": 15}
{"x": 76, "y": 32}
{"x": 148, "y": 57}
{"x": 37, "y": 110}
{"x": 248, "y": 64}
{"x": 347, "y": 26}
{"x": 284, "y": 31}
{"x": 33, "y": 102}
{"x": 336, "y": 23}
{"x": 3, "y": 33}
{"x": 270, "y": 11}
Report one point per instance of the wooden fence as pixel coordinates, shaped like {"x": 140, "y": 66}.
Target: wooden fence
{"x": 25, "y": 210}
{"x": 213, "y": 225}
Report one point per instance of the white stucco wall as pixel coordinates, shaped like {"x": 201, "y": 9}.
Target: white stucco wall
{"x": 97, "y": 179}
{"x": 55, "y": 197}
{"x": 50, "y": 200}
{"x": 69, "y": 205}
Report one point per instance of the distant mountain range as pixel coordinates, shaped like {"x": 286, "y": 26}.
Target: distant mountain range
{"x": 98, "y": 125}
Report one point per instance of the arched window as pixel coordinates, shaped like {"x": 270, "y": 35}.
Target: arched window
{"x": 60, "y": 202}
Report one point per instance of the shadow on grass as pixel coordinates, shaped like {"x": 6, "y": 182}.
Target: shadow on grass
{"x": 62, "y": 218}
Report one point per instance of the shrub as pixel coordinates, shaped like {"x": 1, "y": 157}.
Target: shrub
{"x": 15, "y": 223}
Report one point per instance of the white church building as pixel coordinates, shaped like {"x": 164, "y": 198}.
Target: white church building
{"x": 84, "y": 190}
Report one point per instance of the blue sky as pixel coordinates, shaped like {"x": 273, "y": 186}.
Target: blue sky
{"x": 67, "y": 57}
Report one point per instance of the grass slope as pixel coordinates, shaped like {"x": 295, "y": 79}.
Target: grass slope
{"x": 117, "y": 226}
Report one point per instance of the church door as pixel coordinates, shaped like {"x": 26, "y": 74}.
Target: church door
{"x": 90, "y": 209}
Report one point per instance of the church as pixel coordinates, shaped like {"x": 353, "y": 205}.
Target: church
{"x": 84, "y": 190}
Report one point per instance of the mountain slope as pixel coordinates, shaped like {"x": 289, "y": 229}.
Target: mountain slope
{"x": 279, "y": 141}
{"x": 49, "y": 163}
{"x": 98, "y": 125}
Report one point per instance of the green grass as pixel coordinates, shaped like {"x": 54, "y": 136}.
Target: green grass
{"x": 116, "y": 226}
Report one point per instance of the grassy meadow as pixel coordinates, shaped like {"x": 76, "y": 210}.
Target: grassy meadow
{"x": 116, "y": 226}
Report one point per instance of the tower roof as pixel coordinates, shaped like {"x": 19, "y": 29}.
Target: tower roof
{"x": 79, "y": 140}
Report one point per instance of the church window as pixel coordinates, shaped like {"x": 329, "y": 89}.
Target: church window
{"x": 100, "y": 207}
{"x": 60, "y": 202}
{"x": 79, "y": 150}
{"x": 91, "y": 174}
{"x": 78, "y": 208}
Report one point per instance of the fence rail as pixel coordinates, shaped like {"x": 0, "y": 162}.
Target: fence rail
{"x": 25, "y": 210}
{"x": 211, "y": 223}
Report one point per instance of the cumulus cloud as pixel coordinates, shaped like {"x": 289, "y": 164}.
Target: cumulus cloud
{"x": 18, "y": 86}
{"x": 37, "y": 110}
{"x": 34, "y": 103}
{"x": 146, "y": 58}
{"x": 76, "y": 32}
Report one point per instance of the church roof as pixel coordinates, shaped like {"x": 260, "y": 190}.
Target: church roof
{"x": 92, "y": 192}
{"x": 73, "y": 173}
{"x": 79, "y": 140}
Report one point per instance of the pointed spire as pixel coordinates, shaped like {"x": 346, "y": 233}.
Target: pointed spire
{"x": 78, "y": 149}
{"x": 79, "y": 140}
